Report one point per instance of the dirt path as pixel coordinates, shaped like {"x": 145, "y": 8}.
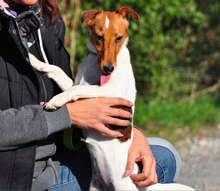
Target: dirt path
{"x": 201, "y": 161}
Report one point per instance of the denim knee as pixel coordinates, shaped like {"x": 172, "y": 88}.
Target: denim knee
{"x": 75, "y": 171}
{"x": 167, "y": 159}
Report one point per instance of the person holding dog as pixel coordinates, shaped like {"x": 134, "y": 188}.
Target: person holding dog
{"x": 32, "y": 153}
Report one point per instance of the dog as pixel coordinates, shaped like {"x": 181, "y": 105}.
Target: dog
{"x": 106, "y": 72}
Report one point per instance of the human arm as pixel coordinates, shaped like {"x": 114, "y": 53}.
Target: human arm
{"x": 30, "y": 123}
{"x": 140, "y": 152}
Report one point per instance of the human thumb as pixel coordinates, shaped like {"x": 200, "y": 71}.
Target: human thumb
{"x": 129, "y": 166}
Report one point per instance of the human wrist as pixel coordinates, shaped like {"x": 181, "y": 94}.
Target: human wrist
{"x": 136, "y": 127}
{"x": 57, "y": 120}
{"x": 69, "y": 109}
{"x": 138, "y": 134}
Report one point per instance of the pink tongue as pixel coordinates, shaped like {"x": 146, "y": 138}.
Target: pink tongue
{"x": 104, "y": 78}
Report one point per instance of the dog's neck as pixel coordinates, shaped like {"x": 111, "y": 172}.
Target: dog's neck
{"x": 91, "y": 48}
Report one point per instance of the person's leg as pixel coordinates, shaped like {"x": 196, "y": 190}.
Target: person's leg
{"x": 167, "y": 159}
{"x": 77, "y": 162}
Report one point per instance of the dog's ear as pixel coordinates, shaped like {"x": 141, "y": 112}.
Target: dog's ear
{"x": 88, "y": 16}
{"x": 124, "y": 11}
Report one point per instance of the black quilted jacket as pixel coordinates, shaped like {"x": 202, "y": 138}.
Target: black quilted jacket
{"x": 20, "y": 85}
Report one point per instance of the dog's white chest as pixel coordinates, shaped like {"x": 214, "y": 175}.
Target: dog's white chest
{"x": 109, "y": 157}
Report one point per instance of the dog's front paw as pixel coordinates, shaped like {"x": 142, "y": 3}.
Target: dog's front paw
{"x": 51, "y": 106}
{"x": 57, "y": 102}
{"x": 37, "y": 64}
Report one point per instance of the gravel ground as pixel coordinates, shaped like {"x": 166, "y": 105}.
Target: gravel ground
{"x": 201, "y": 161}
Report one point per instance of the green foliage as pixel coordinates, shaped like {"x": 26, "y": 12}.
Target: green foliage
{"x": 171, "y": 117}
{"x": 167, "y": 28}
{"x": 202, "y": 111}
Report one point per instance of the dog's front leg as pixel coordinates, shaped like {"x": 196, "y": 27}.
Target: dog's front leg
{"x": 53, "y": 72}
{"x": 60, "y": 100}
{"x": 76, "y": 92}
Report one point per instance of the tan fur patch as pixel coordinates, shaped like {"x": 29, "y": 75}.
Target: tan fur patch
{"x": 126, "y": 131}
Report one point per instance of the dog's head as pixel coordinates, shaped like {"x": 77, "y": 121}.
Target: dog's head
{"x": 108, "y": 34}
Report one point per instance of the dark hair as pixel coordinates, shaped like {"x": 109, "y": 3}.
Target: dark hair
{"x": 49, "y": 7}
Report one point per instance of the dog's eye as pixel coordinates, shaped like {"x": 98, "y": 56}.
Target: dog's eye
{"x": 100, "y": 38}
{"x": 118, "y": 39}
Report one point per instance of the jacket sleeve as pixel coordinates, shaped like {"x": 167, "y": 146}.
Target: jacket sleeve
{"x": 30, "y": 123}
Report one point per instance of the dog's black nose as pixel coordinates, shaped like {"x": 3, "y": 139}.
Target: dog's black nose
{"x": 108, "y": 69}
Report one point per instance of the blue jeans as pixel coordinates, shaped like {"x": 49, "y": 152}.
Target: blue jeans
{"x": 75, "y": 168}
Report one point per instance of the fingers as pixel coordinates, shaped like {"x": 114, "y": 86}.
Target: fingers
{"x": 108, "y": 132}
{"x": 119, "y": 122}
{"x": 43, "y": 103}
{"x": 148, "y": 176}
{"x": 111, "y": 113}
{"x": 118, "y": 102}
{"x": 140, "y": 150}
{"x": 130, "y": 163}
{"x": 117, "y": 112}
{"x": 104, "y": 129}
{"x": 120, "y": 113}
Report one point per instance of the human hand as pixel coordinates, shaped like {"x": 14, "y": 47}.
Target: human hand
{"x": 140, "y": 152}
{"x": 96, "y": 113}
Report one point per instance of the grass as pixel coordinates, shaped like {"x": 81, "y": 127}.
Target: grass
{"x": 174, "y": 121}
